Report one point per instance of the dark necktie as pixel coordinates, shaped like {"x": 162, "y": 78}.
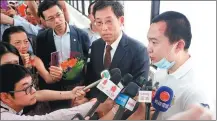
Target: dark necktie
{"x": 107, "y": 59}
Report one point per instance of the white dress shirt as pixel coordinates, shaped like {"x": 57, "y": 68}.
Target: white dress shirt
{"x": 92, "y": 35}
{"x": 62, "y": 114}
{"x": 62, "y": 44}
{"x": 114, "y": 46}
{"x": 184, "y": 89}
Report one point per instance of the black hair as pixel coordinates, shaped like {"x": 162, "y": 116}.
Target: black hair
{"x": 45, "y": 5}
{"x": 11, "y": 74}
{"x": 8, "y": 48}
{"x": 178, "y": 27}
{"x": 11, "y": 30}
{"x": 117, "y": 7}
{"x": 89, "y": 7}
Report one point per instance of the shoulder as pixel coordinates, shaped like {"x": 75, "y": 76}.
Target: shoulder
{"x": 80, "y": 31}
{"x": 98, "y": 42}
{"x": 44, "y": 32}
{"x": 134, "y": 44}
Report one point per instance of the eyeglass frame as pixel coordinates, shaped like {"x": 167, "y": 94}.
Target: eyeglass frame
{"x": 29, "y": 87}
{"x": 58, "y": 15}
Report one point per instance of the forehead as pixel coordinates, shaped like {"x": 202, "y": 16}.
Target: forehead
{"x": 9, "y": 57}
{"x": 28, "y": 10}
{"x": 104, "y": 13}
{"x": 51, "y": 11}
{"x": 157, "y": 29}
{"x": 26, "y": 80}
{"x": 18, "y": 36}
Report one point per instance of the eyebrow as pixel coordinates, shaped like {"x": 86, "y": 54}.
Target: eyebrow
{"x": 53, "y": 15}
{"x": 106, "y": 17}
{"x": 151, "y": 38}
{"x": 25, "y": 84}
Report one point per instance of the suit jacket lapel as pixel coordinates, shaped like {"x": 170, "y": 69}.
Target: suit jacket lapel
{"x": 100, "y": 55}
{"x": 51, "y": 43}
{"x": 120, "y": 52}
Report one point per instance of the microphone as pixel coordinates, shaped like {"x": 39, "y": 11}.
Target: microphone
{"x": 162, "y": 100}
{"x": 141, "y": 81}
{"x": 104, "y": 74}
{"x": 115, "y": 70}
{"x": 125, "y": 80}
{"x": 123, "y": 99}
{"x": 102, "y": 97}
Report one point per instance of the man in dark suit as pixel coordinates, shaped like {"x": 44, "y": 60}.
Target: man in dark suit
{"x": 114, "y": 49}
{"x": 63, "y": 38}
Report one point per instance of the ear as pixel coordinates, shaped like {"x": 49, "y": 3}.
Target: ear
{"x": 5, "y": 97}
{"x": 121, "y": 19}
{"x": 180, "y": 45}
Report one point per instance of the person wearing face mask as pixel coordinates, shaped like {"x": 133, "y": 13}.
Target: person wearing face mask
{"x": 169, "y": 38}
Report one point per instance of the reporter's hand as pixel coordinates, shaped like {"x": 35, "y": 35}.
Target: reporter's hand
{"x": 11, "y": 12}
{"x": 152, "y": 110}
{"x": 105, "y": 107}
{"x": 56, "y": 73}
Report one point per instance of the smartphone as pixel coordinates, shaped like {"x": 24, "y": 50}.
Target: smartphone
{"x": 55, "y": 58}
{"x": 4, "y": 4}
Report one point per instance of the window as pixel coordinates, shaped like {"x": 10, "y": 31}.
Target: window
{"x": 86, "y": 5}
{"x": 137, "y": 19}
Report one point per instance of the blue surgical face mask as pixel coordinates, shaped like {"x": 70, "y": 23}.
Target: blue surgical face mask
{"x": 164, "y": 64}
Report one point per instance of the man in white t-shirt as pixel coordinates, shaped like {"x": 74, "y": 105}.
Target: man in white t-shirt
{"x": 169, "y": 40}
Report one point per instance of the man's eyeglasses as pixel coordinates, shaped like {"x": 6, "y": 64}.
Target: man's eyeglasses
{"x": 28, "y": 90}
{"x": 52, "y": 19}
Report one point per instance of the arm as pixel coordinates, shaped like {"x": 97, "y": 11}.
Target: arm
{"x": 44, "y": 73}
{"x": 62, "y": 114}
{"x": 33, "y": 7}
{"x": 50, "y": 95}
{"x": 110, "y": 115}
{"x": 64, "y": 6}
{"x": 139, "y": 114}
{"x": 6, "y": 19}
{"x": 29, "y": 28}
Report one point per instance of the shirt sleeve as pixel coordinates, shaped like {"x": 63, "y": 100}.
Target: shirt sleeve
{"x": 194, "y": 95}
{"x": 29, "y": 28}
{"x": 62, "y": 114}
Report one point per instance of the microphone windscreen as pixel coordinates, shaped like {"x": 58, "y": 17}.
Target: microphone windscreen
{"x": 114, "y": 71}
{"x": 116, "y": 78}
{"x": 127, "y": 79}
{"x": 131, "y": 89}
{"x": 163, "y": 99}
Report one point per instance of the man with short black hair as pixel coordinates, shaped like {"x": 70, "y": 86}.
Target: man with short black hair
{"x": 17, "y": 92}
{"x": 169, "y": 40}
{"x": 114, "y": 49}
{"x": 63, "y": 38}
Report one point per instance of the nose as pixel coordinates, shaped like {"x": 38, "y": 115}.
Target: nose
{"x": 33, "y": 90}
{"x": 150, "y": 50}
{"x": 104, "y": 27}
{"x": 57, "y": 20}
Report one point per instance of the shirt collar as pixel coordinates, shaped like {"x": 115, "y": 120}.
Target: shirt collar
{"x": 184, "y": 69}
{"x": 10, "y": 109}
{"x": 114, "y": 45}
{"x": 67, "y": 30}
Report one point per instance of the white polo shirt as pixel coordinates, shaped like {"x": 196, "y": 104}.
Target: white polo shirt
{"x": 184, "y": 88}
